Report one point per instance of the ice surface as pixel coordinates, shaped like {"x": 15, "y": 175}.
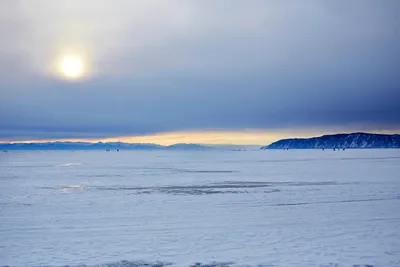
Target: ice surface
{"x": 200, "y": 208}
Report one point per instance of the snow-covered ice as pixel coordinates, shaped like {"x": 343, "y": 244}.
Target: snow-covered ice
{"x": 156, "y": 208}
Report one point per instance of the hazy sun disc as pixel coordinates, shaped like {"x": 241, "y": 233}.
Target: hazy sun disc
{"x": 72, "y": 67}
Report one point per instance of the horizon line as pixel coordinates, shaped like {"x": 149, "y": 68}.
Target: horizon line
{"x": 113, "y": 142}
{"x": 216, "y": 137}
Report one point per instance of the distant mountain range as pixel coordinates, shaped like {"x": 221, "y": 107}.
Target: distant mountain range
{"x": 119, "y": 146}
{"x": 98, "y": 146}
{"x": 352, "y": 140}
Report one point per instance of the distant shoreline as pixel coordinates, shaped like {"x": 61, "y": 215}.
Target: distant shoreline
{"x": 118, "y": 146}
{"x": 339, "y": 142}
{"x": 325, "y": 142}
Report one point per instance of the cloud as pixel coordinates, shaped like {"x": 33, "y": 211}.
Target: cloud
{"x": 162, "y": 66}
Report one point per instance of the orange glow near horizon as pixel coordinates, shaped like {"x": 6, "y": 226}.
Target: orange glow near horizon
{"x": 252, "y": 137}
{"x": 248, "y": 137}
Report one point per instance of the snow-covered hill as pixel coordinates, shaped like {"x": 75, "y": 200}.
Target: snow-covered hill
{"x": 352, "y": 140}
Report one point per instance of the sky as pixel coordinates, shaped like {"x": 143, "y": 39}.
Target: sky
{"x": 203, "y": 71}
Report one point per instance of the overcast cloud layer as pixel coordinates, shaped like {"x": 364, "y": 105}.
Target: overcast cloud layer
{"x": 160, "y": 66}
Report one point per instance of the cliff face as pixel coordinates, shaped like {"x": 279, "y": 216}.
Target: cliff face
{"x": 353, "y": 140}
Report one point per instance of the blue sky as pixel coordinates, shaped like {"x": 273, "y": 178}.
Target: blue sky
{"x": 175, "y": 66}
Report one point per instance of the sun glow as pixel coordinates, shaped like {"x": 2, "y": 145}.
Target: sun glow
{"x": 249, "y": 137}
{"x": 71, "y": 67}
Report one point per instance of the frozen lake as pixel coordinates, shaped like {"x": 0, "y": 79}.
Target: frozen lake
{"x": 254, "y": 208}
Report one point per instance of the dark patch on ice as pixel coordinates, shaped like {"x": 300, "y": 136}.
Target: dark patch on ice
{"x": 337, "y": 265}
{"x": 9, "y": 176}
{"x": 213, "y": 264}
{"x": 48, "y": 187}
{"x": 178, "y": 170}
{"x": 223, "y": 188}
{"x": 30, "y": 166}
{"x": 132, "y": 264}
{"x": 124, "y": 264}
{"x": 226, "y": 187}
{"x": 16, "y": 204}
{"x": 209, "y": 171}
{"x": 172, "y": 190}
{"x": 270, "y": 184}
{"x": 101, "y": 175}
{"x": 338, "y": 201}
{"x": 194, "y": 191}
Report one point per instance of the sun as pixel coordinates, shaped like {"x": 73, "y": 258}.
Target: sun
{"x": 71, "y": 67}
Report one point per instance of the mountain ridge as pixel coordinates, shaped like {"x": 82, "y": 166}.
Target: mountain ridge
{"x": 342, "y": 140}
{"x": 60, "y": 145}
